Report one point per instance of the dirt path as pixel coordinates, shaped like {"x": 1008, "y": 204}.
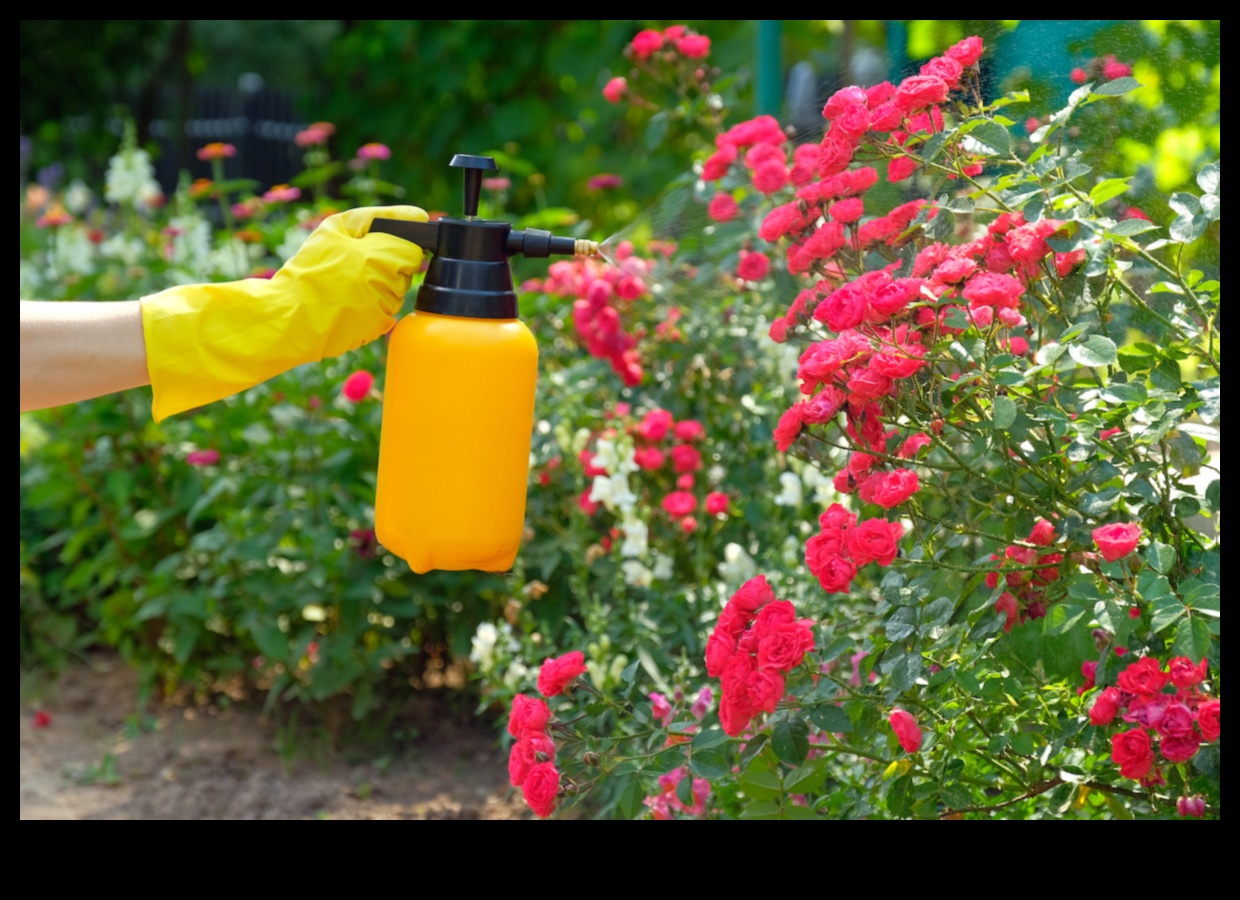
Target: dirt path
{"x": 94, "y": 762}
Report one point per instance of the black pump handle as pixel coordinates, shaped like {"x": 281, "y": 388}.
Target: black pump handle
{"x": 424, "y": 234}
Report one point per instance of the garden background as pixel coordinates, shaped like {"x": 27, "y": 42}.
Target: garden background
{"x": 222, "y": 566}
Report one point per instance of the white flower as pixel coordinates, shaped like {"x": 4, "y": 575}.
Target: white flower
{"x": 232, "y": 259}
{"x": 790, "y": 493}
{"x": 482, "y": 645}
{"x": 293, "y": 239}
{"x": 635, "y": 537}
{"x": 636, "y": 574}
{"x": 191, "y": 244}
{"x": 662, "y": 567}
{"x": 737, "y": 566}
{"x": 73, "y": 252}
{"x": 791, "y": 551}
{"x": 131, "y": 178}
{"x": 616, "y": 457}
{"x": 715, "y": 474}
{"x": 28, "y": 279}
{"x": 613, "y": 492}
{"x": 128, "y": 250}
{"x": 77, "y": 197}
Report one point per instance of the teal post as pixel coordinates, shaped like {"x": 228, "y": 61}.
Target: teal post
{"x": 769, "y": 88}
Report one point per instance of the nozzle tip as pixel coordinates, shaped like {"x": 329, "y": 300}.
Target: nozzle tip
{"x": 585, "y": 248}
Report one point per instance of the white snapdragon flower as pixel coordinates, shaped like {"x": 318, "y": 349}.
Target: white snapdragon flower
{"x": 662, "y": 567}
{"x": 791, "y": 551}
{"x": 636, "y": 535}
{"x": 737, "y": 566}
{"x": 124, "y": 248}
{"x": 790, "y": 490}
{"x": 482, "y": 646}
{"x": 131, "y": 178}
{"x": 73, "y": 252}
{"x": 191, "y": 244}
{"x": 77, "y": 197}
{"x": 636, "y": 573}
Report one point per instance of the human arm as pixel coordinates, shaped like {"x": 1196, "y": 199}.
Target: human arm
{"x": 78, "y": 350}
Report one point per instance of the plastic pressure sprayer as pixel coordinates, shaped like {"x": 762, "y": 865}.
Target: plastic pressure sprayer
{"x": 458, "y": 409}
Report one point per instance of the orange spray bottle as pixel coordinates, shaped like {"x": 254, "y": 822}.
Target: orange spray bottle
{"x": 458, "y": 407}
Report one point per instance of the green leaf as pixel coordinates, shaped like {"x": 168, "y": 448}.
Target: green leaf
{"x": 1125, "y": 393}
{"x": 709, "y": 738}
{"x": 1164, "y": 613}
{"x": 1003, "y": 413}
{"x": 1097, "y": 350}
{"x": 1160, "y": 556}
{"x": 1107, "y": 190}
{"x": 1184, "y": 204}
{"x": 900, "y": 797}
{"x": 1061, "y": 618}
{"x": 993, "y": 136}
{"x": 1209, "y": 179}
{"x": 656, "y": 129}
{"x": 902, "y": 668}
{"x": 630, "y": 802}
{"x": 684, "y": 791}
{"x": 1131, "y": 227}
{"x": 1116, "y": 86}
{"x": 752, "y": 749}
{"x": 794, "y": 811}
{"x": 1023, "y": 743}
{"x": 760, "y": 785}
{"x": 902, "y": 623}
{"x": 830, "y": 717}
{"x": 1186, "y": 229}
{"x": 1166, "y": 375}
{"x": 709, "y": 764}
{"x": 764, "y": 809}
{"x": 1192, "y": 639}
{"x": 938, "y": 612}
{"x": 1097, "y": 504}
{"x": 806, "y": 779}
{"x": 790, "y": 741}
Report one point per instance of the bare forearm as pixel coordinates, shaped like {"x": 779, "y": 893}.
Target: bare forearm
{"x": 75, "y": 351}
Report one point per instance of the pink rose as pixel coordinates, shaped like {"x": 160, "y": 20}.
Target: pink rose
{"x": 689, "y": 430}
{"x": 1008, "y": 605}
{"x": 1131, "y": 751}
{"x": 202, "y": 457}
{"x": 847, "y": 211}
{"x": 1194, "y": 806}
{"x": 615, "y": 90}
{"x": 890, "y": 489}
{"x": 722, "y": 208}
{"x": 1209, "y": 719}
{"x": 717, "y": 503}
{"x": 528, "y": 714}
{"x": 875, "y": 540}
{"x": 1117, "y": 540}
{"x": 645, "y": 43}
{"x": 686, "y": 458}
{"x": 694, "y": 46}
{"x": 655, "y": 425}
{"x": 1185, "y": 673}
{"x": 1043, "y": 533}
{"x": 1105, "y": 707}
{"x": 679, "y": 503}
{"x": 906, "y": 730}
{"x": 967, "y": 51}
{"x": 542, "y": 786}
{"x": 1179, "y": 748}
{"x": 556, "y": 674}
{"x": 1145, "y": 678}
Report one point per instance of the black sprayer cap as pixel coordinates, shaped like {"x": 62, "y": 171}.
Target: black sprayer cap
{"x": 469, "y": 274}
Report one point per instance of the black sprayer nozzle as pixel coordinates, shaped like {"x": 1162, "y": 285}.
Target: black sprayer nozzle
{"x": 474, "y": 166}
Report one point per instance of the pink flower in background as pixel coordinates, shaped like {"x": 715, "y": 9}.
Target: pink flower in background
{"x": 717, "y": 503}
{"x": 357, "y": 386}
{"x": 1194, "y": 806}
{"x": 679, "y": 503}
{"x": 42, "y": 719}
{"x": 202, "y": 457}
{"x": 645, "y": 43}
{"x": 701, "y": 706}
{"x": 722, "y": 208}
{"x": 1117, "y": 540}
{"x": 374, "y": 150}
{"x": 317, "y": 133}
{"x": 496, "y": 184}
{"x": 660, "y": 709}
{"x": 1112, "y": 68}
{"x": 282, "y": 193}
{"x": 689, "y": 430}
{"x": 615, "y": 90}
{"x": 655, "y": 425}
{"x": 53, "y": 217}
{"x": 604, "y": 181}
{"x": 216, "y": 150}
{"x": 1078, "y": 75}
{"x": 753, "y": 266}
{"x": 694, "y": 46}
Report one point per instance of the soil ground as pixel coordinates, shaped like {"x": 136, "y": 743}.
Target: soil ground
{"x": 98, "y": 760}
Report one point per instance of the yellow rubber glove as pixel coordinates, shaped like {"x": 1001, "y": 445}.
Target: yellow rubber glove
{"x": 341, "y": 290}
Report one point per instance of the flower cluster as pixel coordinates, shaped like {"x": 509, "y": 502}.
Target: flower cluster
{"x": 756, "y": 642}
{"x": 843, "y": 544}
{"x": 602, "y": 291}
{"x": 1181, "y": 719}
{"x": 531, "y": 762}
{"x": 676, "y": 39}
{"x": 663, "y": 449}
{"x": 664, "y": 803}
{"x": 1024, "y": 596}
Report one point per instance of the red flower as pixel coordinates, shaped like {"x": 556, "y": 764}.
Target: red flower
{"x": 722, "y": 208}
{"x": 528, "y": 714}
{"x": 689, "y": 430}
{"x": 967, "y": 51}
{"x": 655, "y": 425}
{"x": 1194, "y": 806}
{"x": 42, "y": 719}
{"x": 1008, "y": 605}
{"x": 679, "y": 503}
{"x": 556, "y": 674}
{"x": 358, "y": 385}
{"x": 1105, "y": 707}
{"x": 847, "y": 211}
{"x": 374, "y": 150}
{"x": 1209, "y": 719}
{"x": 1043, "y": 533}
{"x": 686, "y": 458}
{"x": 716, "y": 503}
{"x": 1078, "y": 75}
{"x": 645, "y": 43}
{"x": 753, "y": 266}
{"x": 1131, "y": 751}
{"x": 648, "y": 458}
{"x": 1145, "y": 678}
{"x": 890, "y": 489}
{"x": 1117, "y": 540}
{"x": 542, "y": 786}
{"x": 1112, "y": 68}
{"x": 1184, "y": 673}
{"x": 615, "y": 90}
{"x": 875, "y": 540}
{"x": 905, "y": 727}
{"x": 694, "y": 46}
